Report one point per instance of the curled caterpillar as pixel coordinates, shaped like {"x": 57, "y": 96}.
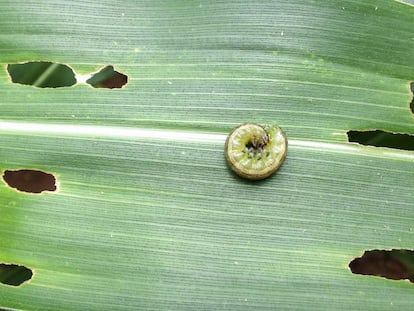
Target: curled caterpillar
{"x": 255, "y": 152}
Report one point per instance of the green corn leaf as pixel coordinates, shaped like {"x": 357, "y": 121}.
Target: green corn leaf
{"x": 147, "y": 215}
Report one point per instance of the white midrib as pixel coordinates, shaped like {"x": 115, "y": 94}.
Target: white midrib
{"x": 32, "y": 128}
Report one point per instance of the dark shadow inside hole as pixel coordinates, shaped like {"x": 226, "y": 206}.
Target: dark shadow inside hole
{"x": 412, "y": 101}
{"x": 31, "y": 181}
{"x": 42, "y": 74}
{"x": 380, "y": 138}
{"x": 108, "y": 78}
{"x": 14, "y": 275}
{"x": 396, "y": 264}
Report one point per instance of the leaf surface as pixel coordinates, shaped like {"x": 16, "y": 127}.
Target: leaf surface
{"x": 147, "y": 216}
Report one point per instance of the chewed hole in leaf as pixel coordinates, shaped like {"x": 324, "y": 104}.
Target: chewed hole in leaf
{"x": 14, "y": 275}
{"x": 108, "y": 78}
{"x": 42, "y": 74}
{"x": 380, "y": 138}
{"x": 412, "y": 101}
{"x": 31, "y": 181}
{"x": 396, "y": 264}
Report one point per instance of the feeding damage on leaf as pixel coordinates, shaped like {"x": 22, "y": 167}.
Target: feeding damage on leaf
{"x": 396, "y": 264}
{"x": 14, "y": 275}
{"x": 31, "y": 181}
{"x": 42, "y": 74}
{"x": 381, "y": 138}
{"x": 412, "y": 101}
{"x": 45, "y": 74}
{"x": 108, "y": 78}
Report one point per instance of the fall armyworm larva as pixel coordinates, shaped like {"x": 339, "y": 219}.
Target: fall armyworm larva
{"x": 255, "y": 152}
